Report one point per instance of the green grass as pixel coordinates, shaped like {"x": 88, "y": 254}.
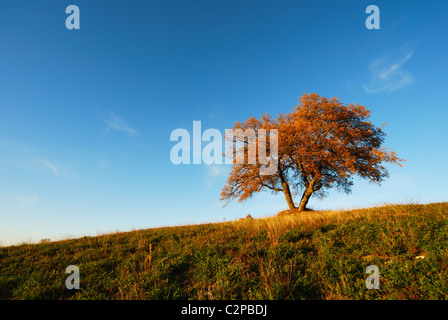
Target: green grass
{"x": 315, "y": 255}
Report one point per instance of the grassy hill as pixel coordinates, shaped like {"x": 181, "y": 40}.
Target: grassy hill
{"x": 315, "y": 255}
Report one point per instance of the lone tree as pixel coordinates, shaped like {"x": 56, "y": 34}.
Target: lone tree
{"x": 322, "y": 144}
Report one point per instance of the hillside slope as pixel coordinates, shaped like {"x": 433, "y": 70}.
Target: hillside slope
{"x": 317, "y": 255}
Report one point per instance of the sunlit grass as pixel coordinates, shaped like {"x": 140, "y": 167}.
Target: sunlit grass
{"x": 313, "y": 255}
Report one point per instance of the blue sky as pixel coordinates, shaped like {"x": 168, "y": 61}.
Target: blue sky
{"x": 86, "y": 115}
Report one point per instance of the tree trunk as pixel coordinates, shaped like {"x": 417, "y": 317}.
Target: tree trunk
{"x": 286, "y": 189}
{"x": 288, "y": 197}
{"x": 305, "y": 198}
{"x": 307, "y": 194}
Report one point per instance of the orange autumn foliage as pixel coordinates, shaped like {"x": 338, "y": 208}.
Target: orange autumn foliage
{"x": 322, "y": 144}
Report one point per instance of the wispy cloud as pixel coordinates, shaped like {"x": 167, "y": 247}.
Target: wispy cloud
{"x": 216, "y": 170}
{"x": 114, "y": 122}
{"x": 216, "y": 173}
{"x": 388, "y": 74}
{"x": 51, "y": 166}
{"x": 17, "y": 201}
{"x": 56, "y": 169}
{"x": 23, "y": 202}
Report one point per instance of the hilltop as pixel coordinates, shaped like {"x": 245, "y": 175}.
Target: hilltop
{"x": 314, "y": 255}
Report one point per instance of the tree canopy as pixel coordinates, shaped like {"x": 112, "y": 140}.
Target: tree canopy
{"x": 321, "y": 144}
